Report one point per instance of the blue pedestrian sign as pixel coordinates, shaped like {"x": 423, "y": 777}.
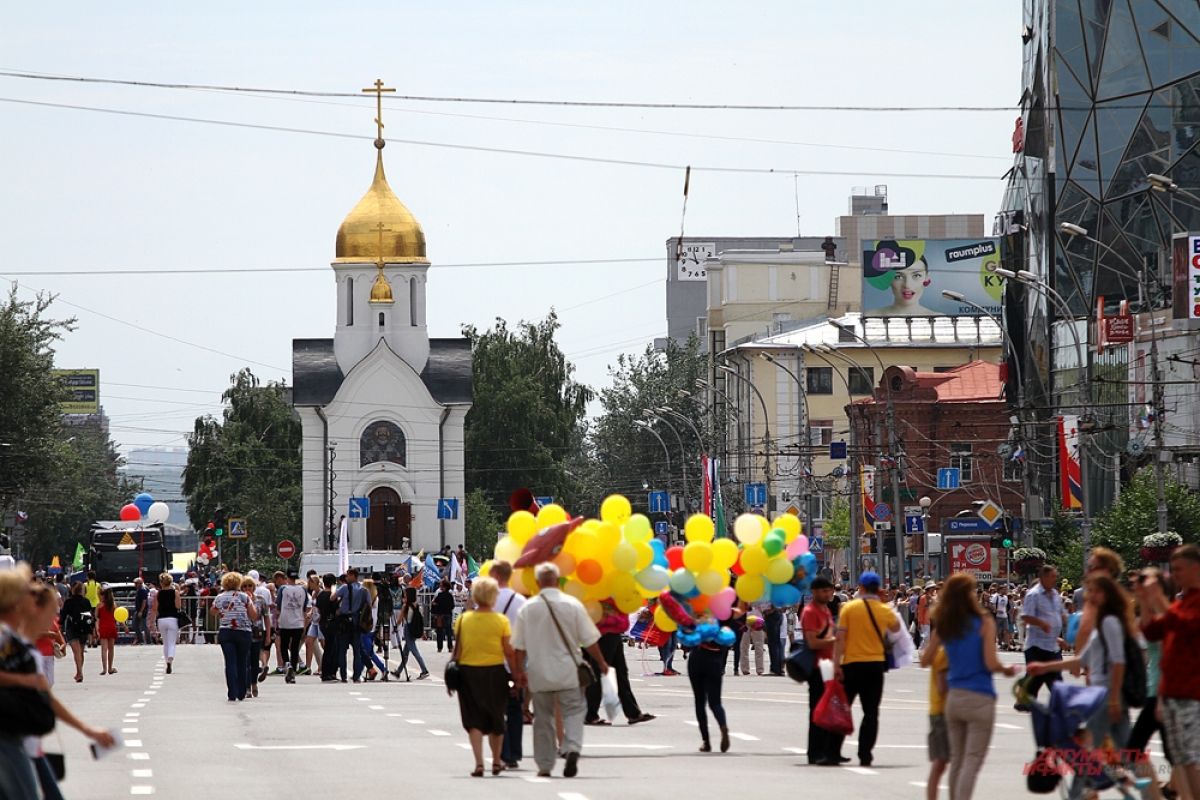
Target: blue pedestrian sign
{"x": 447, "y": 508}
{"x": 543, "y": 501}
{"x": 837, "y": 451}
{"x": 660, "y": 528}
{"x": 883, "y": 512}
{"x": 756, "y": 494}
{"x": 816, "y": 545}
{"x": 360, "y": 507}
{"x": 659, "y": 502}
{"x": 914, "y": 523}
{"x": 948, "y": 478}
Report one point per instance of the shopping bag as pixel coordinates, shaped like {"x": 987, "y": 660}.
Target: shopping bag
{"x": 609, "y": 698}
{"x": 833, "y": 711}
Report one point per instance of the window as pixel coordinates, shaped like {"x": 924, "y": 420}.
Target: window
{"x": 819, "y": 380}
{"x": 412, "y": 302}
{"x": 862, "y": 381}
{"x": 701, "y": 328}
{"x": 960, "y": 456}
{"x": 349, "y": 301}
{"x": 820, "y": 432}
{"x": 381, "y": 441}
{"x": 381, "y": 319}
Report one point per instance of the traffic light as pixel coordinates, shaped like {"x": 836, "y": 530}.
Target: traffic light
{"x": 220, "y": 520}
{"x": 889, "y": 544}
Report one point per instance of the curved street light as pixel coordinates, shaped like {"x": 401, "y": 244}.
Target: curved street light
{"x": 766, "y": 426}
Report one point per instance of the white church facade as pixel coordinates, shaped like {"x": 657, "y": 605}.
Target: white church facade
{"x": 381, "y": 404}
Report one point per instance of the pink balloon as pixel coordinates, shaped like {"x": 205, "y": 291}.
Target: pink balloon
{"x": 798, "y": 547}
{"x": 721, "y": 604}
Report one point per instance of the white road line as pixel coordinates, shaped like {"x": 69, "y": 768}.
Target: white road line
{"x": 138, "y": 756}
{"x": 138, "y": 705}
{"x": 416, "y": 722}
{"x": 533, "y": 778}
{"x": 129, "y": 730}
{"x": 375, "y": 708}
{"x": 363, "y": 699}
{"x": 149, "y": 691}
{"x": 1008, "y": 727}
{"x": 923, "y": 784}
{"x": 861, "y": 770}
{"x": 745, "y": 737}
{"x": 355, "y": 693}
{"x": 133, "y": 742}
{"x": 591, "y": 745}
{"x": 904, "y": 691}
{"x": 133, "y": 713}
{"x": 300, "y": 746}
{"x": 572, "y": 796}
{"x": 141, "y": 790}
{"x": 691, "y": 722}
{"x": 395, "y": 715}
{"x": 800, "y": 751}
{"x": 142, "y": 773}
{"x": 439, "y": 733}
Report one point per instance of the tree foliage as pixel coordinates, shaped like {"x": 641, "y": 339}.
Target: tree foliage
{"x": 483, "y": 523}
{"x": 527, "y": 413}
{"x": 30, "y": 414}
{"x": 1135, "y": 514}
{"x": 248, "y": 463}
{"x": 837, "y": 526}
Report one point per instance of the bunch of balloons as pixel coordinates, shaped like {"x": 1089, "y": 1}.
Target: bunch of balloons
{"x": 144, "y": 509}
{"x": 618, "y": 557}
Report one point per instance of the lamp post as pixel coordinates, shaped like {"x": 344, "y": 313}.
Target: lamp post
{"x": 650, "y": 415}
{"x": 646, "y": 426}
{"x": 925, "y": 502}
{"x": 893, "y": 445}
{"x": 766, "y": 429}
{"x": 802, "y": 439}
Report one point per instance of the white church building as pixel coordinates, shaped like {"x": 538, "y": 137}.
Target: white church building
{"x": 382, "y": 405}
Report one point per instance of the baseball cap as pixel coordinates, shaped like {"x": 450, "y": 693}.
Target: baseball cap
{"x": 253, "y": 574}
{"x": 869, "y": 580}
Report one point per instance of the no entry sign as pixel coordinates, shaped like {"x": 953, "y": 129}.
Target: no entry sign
{"x": 286, "y": 549}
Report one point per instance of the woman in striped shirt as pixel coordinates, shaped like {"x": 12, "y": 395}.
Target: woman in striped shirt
{"x": 238, "y": 614}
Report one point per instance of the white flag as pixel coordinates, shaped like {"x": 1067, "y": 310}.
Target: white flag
{"x": 343, "y": 549}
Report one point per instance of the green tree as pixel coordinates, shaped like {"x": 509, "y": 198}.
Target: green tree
{"x": 248, "y": 463}
{"x": 527, "y": 414}
{"x": 83, "y": 486}
{"x": 30, "y": 416}
{"x": 1134, "y": 516}
{"x": 837, "y": 526}
{"x": 625, "y": 455}
{"x": 483, "y": 523}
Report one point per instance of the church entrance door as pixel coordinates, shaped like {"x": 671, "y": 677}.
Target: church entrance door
{"x": 390, "y": 525}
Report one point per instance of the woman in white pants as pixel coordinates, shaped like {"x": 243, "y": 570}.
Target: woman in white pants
{"x": 166, "y": 610}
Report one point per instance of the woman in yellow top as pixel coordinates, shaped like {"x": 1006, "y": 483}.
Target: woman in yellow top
{"x": 481, "y": 646}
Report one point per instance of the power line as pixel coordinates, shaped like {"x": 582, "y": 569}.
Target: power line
{"x": 244, "y": 270}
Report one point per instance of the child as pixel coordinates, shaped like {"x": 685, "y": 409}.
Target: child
{"x": 939, "y": 739}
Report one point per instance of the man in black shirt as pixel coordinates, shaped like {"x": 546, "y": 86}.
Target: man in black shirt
{"x": 327, "y": 607}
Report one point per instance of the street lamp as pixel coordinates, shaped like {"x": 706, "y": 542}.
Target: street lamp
{"x": 802, "y": 440}
{"x": 766, "y": 427}
{"x": 650, "y": 415}
{"x": 925, "y": 502}
{"x": 646, "y": 426}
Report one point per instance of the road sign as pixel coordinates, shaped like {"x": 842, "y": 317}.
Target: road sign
{"x": 237, "y": 528}
{"x": 883, "y": 526}
{"x": 659, "y": 502}
{"x": 286, "y": 549}
{"x": 971, "y": 554}
{"x": 837, "y": 451}
{"x": 883, "y": 512}
{"x": 816, "y": 545}
{"x": 990, "y": 513}
{"x": 543, "y": 501}
{"x": 360, "y": 507}
{"x": 660, "y": 528}
{"x": 948, "y": 478}
{"x": 447, "y": 508}
{"x": 913, "y": 523}
{"x": 756, "y": 494}
{"x": 966, "y": 525}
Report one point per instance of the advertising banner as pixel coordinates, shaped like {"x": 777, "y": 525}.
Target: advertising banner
{"x": 83, "y": 385}
{"x": 1185, "y": 273}
{"x": 1070, "y": 474}
{"x": 867, "y": 483}
{"x": 971, "y": 555}
{"x": 906, "y": 277}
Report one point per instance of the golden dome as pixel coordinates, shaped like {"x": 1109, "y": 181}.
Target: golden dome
{"x": 358, "y": 239}
{"x": 381, "y": 290}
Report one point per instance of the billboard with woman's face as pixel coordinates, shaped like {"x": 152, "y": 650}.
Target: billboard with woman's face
{"x": 906, "y": 277}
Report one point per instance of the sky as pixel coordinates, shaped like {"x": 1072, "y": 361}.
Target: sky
{"x": 98, "y": 192}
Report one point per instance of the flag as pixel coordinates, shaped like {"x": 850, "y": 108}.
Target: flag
{"x": 77, "y": 562}
{"x": 1068, "y": 462}
{"x": 433, "y": 576}
{"x": 706, "y": 470}
{"x": 343, "y": 548}
{"x": 718, "y": 502}
{"x": 472, "y": 568}
{"x": 456, "y": 575}
{"x": 867, "y": 480}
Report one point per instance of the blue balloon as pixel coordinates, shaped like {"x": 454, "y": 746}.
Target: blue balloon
{"x": 726, "y": 637}
{"x": 785, "y": 595}
{"x": 1072, "y": 628}
{"x": 689, "y": 639}
{"x": 660, "y": 553}
{"x": 143, "y": 502}
{"x": 809, "y": 561}
{"x": 708, "y": 630}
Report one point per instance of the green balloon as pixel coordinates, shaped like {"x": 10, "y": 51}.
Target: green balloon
{"x": 774, "y": 541}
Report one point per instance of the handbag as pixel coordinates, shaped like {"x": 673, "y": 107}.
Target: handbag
{"x": 25, "y": 712}
{"x": 889, "y": 660}
{"x": 57, "y": 761}
{"x": 801, "y": 662}
{"x": 833, "y": 711}
{"x": 587, "y": 676}
{"x": 453, "y": 675}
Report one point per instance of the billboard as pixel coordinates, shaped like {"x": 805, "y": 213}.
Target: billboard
{"x": 906, "y": 277}
{"x": 83, "y": 386}
{"x": 970, "y": 554}
{"x": 1185, "y": 274}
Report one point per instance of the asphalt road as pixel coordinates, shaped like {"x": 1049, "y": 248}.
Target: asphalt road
{"x": 184, "y": 740}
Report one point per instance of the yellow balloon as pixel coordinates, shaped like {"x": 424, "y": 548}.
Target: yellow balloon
{"x": 725, "y": 554}
{"x": 485, "y": 568}
{"x": 748, "y": 529}
{"x": 622, "y": 583}
{"x": 789, "y": 524}
{"x": 637, "y": 528}
{"x": 609, "y": 536}
{"x": 750, "y": 588}
{"x": 552, "y": 514}
{"x": 615, "y": 509}
{"x": 699, "y": 528}
{"x": 754, "y": 560}
{"x": 522, "y": 526}
{"x": 582, "y": 544}
{"x": 698, "y": 556}
{"x": 121, "y": 614}
{"x": 529, "y": 580}
{"x": 645, "y": 554}
{"x": 663, "y": 621}
{"x": 649, "y": 594}
{"x": 576, "y": 589}
{"x": 594, "y": 610}
{"x": 628, "y": 603}
{"x": 507, "y": 549}
{"x": 711, "y": 581}
{"x": 780, "y": 570}
{"x": 625, "y": 557}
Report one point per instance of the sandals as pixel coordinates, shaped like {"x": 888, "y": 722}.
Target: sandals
{"x": 478, "y": 773}
{"x": 497, "y": 767}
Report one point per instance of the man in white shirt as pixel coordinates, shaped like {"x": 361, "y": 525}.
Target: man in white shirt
{"x": 292, "y": 608}
{"x": 509, "y": 603}
{"x": 550, "y": 630}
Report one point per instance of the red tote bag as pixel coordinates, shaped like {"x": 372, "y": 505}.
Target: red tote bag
{"x": 833, "y": 711}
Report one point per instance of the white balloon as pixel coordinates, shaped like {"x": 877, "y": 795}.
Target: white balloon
{"x": 158, "y": 512}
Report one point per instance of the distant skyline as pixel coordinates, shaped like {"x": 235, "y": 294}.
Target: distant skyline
{"x": 98, "y": 191}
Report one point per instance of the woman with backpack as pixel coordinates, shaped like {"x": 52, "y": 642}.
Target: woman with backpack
{"x": 414, "y": 628}
{"x": 441, "y": 613}
{"x": 1103, "y": 655}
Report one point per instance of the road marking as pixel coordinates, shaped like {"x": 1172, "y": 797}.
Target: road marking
{"x": 138, "y": 705}
{"x": 375, "y": 708}
{"x": 129, "y": 730}
{"x": 149, "y": 691}
{"x": 395, "y": 715}
{"x": 534, "y": 779}
{"x": 590, "y": 746}
{"x": 141, "y": 790}
{"x": 439, "y": 733}
{"x": 142, "y": 773}
{"x": 416, "y": 722}
{"x": 1008, "y": 727}
{"x": 139, "y": 756}
{"x": 133, "y": 742}
{"x": 800, "y": 751}
{"x": 133, "y": 713}
{"x": 745, "y": 737}
{"x": 691, "y": 722}
{"x": 571, "y": 796}
{"x": 923, "y": 784}
{"x": 861, "y": 770}
{"x": 363, "y": 699}
{"x": 300, "y": 746}
{"x": 355, "y": 693}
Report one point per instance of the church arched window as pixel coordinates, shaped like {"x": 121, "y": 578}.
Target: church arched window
{"x": 381, "y": 319}
{"x": 412, "y": 301}
{"x": 382, "y": 441}
{"x": 350, "y": 301}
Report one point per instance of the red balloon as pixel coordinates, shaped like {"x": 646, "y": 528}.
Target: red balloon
{"x": 699, "y": 603}
{"x": 674, "y": 557}
{"x": 737, "y": 565}
{"x": 130, "y": 513}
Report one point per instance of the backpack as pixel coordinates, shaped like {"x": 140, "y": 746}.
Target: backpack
{"x": 416, "y": 627}
{"x": 366, "y": 621}
{"x": 1133, "y": 685}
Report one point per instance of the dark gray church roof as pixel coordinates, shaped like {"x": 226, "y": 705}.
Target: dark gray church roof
{"x": 316, "y": 376}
